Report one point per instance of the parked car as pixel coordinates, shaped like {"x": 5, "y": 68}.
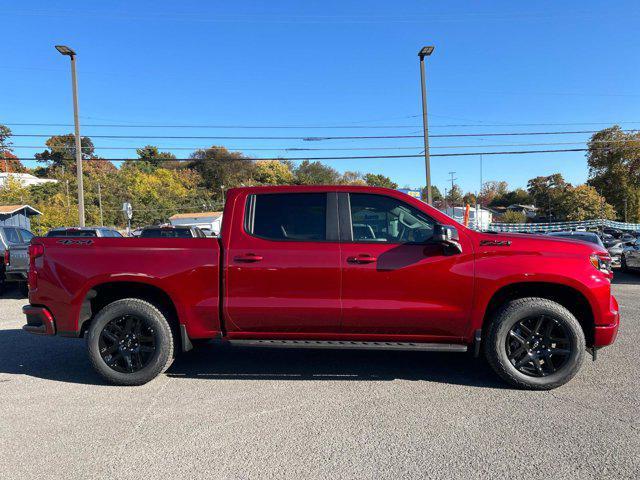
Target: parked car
{"x": 290, "y": 271}
{"x": 630, "y": 257}
{"x": 83, "y": 232}
{"x": 171, "y": 231}
{"x": 614, "y": 232}
{"x": 615, "y": 251}
{"x": 579, "y": 236}
{"x": 14, "y": 263}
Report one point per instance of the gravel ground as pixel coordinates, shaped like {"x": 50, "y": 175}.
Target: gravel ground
{"x": 243, "y": 413}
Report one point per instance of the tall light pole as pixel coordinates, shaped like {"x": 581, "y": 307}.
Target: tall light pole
{"x": 64, "y": 50}
{"x": 425, "y": 52}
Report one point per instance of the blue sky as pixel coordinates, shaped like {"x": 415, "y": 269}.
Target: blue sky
{"x": 331, "y": 63}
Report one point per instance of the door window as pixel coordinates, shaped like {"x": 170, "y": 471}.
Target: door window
{"x": 292, "y": 216}
{"x": 26, "y": 235}
{"x": 381, "y": 219}
{"x": 12, "y": 236}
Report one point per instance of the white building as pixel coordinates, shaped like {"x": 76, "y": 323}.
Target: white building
{"x": 484, "y": 217}
{"x": 205, "y": 220}
{"x": 25, "y": 179}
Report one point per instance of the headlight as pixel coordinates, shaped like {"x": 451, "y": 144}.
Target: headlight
{"x": 601, "y": 261}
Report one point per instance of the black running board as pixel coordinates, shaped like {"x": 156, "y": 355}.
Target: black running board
{"x": 340, "y": 344}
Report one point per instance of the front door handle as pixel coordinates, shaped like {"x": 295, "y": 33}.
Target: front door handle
{"x": 247, "y": 257}
{"x": 362, "y": 258}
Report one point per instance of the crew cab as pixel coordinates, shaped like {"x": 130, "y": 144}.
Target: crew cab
{"x": 328, "y": 267}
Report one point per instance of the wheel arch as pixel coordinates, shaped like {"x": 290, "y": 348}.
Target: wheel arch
{"x": 102, "y": 294}
{"x": 570, "y": 298}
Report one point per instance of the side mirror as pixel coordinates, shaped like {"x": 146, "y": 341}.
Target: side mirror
{"x": 447, "y": 236}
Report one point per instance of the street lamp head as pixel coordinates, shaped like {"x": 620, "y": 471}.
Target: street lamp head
{"x": 64, "y": 50}
{"x": 426, "y": 51}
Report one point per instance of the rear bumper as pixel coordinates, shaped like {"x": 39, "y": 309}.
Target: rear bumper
{"x": 39, "y": 320}
{"x": 604, "y": 335}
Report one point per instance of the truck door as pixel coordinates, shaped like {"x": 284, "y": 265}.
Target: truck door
{"x": 394, "y": 281}
{"x": 283, "y": 266}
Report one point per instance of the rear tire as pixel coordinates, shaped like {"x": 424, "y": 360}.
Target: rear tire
{"x": 24, "y": 289}
{"x": 130, "y": 342}
{"x": 623, "y": 265}
{"x": 535, "y": 343}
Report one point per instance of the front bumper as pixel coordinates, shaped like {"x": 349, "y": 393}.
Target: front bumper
{"x": 39, "y": 320}
{"x": 606, "y": 334}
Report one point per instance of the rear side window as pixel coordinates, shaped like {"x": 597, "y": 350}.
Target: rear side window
{"x": 12, "y": 236}
{"x": 26, "y": 235}
{"x": 166, "y": 233}
{"x": 298, "y": 217}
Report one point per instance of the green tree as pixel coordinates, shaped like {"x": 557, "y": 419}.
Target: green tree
{"x": 379, "y": 180}
{"x": 491, "y": 191}
{"x": 584, "y": 203}
{"x": 513, "y": 217}
{"x": 273, "y": 172}
{"x": 614, "y": 169}
{"x": 61, "y": 151}
{"x": 315, "y": 173}
{"x": 221, "y": 169}
{"x": 454, "y": 197}
{"x": 548, "y": 194}
{"x": 518, "y": 196}
{"x": 151, "y": 158}
{"x": 436, "y": 195}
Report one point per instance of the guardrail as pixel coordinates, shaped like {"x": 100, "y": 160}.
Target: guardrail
{"x": 558, "y": 226}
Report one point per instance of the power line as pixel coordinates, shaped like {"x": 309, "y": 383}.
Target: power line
{"x": 314, "y": 138}
{"x": 459, "y": 154}
{"x": 339, "y": 149}
{"x": 266, "y": 127}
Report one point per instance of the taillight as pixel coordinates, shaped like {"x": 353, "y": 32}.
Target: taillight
{"x": 36, "y": 250}
{"x": 7, "y": 257}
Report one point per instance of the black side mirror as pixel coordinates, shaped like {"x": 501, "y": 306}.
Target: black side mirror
{"x": 447, "y": 236}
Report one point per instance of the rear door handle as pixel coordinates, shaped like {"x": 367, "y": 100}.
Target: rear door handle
{"x": 247, "y": 257}
{"x": 362, "y": 258}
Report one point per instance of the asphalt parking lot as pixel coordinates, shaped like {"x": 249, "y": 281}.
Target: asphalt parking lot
{"x": 242, "y": 413}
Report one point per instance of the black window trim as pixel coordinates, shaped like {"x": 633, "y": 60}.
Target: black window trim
{"x": 346, "y": 234}
{"x": 331, "y": 217}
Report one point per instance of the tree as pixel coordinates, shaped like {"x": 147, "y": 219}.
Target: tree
{"x": 379, "y": 180}
{"x": 469, "y": 198}
{"x": 548, "y": 194}
{"x": 221, "y": 169}
{"x": 614, "y": 169}
{"x": 11, "y": 163}
{"x": 352, "y": 178}
{"x": 584, "y": 203}
{"x": 61, "y": 151}
{"x": 151, "y": 158}
{"x": 518, "y": 196}
{"x": 454, "y": 196}
{"x": 273, "y": 172}
{"x": 513, "y": 217}
{"x": 491, "y": 190}
{"x": 436, "y": 195}
{"x": 315, "y": 173}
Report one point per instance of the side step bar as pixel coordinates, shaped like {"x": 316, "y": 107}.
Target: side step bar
{"x": 344, "y": 344}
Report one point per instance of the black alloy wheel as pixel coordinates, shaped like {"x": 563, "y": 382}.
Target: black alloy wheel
{"x": 538, "y": 346}
{"x": 127, "y": 343}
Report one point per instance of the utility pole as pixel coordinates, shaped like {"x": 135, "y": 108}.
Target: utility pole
{"x": 452, "y": 180}
{"x": 480, "y": 180}
{"x": 100, "y": 204}
{"x": 64, "y": 50}
{"x": 425, "y": 52}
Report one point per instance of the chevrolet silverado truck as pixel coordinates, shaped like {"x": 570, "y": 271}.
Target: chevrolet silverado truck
{"x": 328, "y": 267}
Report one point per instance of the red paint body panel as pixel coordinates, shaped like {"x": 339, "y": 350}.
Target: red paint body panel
{"x": 300, "y": 290}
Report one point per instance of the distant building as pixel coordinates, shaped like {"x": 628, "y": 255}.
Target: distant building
{"x": 528, "y": 210}
{"x": 26, "y": 179}
{"x": 206, "y": 220}
{"x": 17, "y": 215}
{"x": 479, "y": 218}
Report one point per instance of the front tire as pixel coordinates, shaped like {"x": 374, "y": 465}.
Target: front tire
{"x": 535, "y": 343}
{"x": 130, "y": 342}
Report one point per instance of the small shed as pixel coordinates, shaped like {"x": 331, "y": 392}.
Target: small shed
{"x": 208, "y": 220}
{"x": 17, "y": 215}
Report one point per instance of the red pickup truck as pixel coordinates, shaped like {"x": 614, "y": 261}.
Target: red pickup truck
{"x": 328, "y": 267}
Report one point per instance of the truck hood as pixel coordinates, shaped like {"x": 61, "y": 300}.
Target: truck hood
{"x": 537, "y": 242}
